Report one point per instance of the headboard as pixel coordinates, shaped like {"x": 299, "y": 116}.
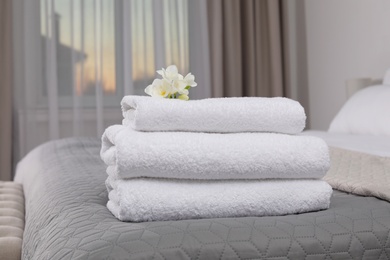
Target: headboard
{"x": 356, "y": 84}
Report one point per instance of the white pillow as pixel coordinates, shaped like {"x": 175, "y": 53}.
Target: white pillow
{"x": 366, "y": 112}
{"x": 386, "y": 79}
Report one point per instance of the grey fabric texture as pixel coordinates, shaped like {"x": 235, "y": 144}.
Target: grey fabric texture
{"x": 67, "y": 218}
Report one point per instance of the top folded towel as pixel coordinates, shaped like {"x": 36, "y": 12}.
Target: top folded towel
{"x": 214, "y": 115}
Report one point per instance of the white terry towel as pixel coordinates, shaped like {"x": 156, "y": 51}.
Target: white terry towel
{"x": 218, "y": 115}
{"x": 187, "y": 155}
{"x": 160, "y": 199}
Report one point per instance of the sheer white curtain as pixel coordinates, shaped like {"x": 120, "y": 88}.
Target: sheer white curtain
{"x": 75, "y": 59}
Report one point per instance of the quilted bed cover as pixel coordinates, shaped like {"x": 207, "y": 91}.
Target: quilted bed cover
{"x": 67, "y": 218}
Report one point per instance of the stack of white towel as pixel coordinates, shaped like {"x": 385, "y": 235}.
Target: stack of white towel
{"x": 223, "y": 157}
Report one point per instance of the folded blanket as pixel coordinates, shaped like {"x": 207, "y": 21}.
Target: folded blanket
{"x": 359, "y": 173}
{"x": 219, "y": 115}
{"x": 187, "y": 155}
{"x": 161, "y": 199}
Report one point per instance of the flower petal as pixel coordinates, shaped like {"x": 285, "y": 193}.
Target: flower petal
{"x": 183, "y": 91}
{"x": 149, "y": 89}
{"x": 172, "y": 69}
{"x": 161, "y": 72}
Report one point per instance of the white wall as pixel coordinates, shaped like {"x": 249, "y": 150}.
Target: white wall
{"x": 345, "y": 39}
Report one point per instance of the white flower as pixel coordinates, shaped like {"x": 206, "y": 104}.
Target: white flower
{"x": 180, "y": 85}
{"x": 172, "y": 84}
{"x": 159, "y": 88}
{"x": 190, "y": 80}
{"x": 170, "y": 74}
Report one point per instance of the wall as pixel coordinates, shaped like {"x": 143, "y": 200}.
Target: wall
{"x": 345, "y": 39}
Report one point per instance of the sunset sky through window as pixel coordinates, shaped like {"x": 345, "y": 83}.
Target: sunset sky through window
{"x": 142, "y": 40}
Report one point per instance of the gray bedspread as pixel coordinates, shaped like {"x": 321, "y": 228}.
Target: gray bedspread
{"x": 67, "y": 218}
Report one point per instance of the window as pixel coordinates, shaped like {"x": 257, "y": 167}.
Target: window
{"x": 75, "y": 59}
{"x": 84, "y": 46}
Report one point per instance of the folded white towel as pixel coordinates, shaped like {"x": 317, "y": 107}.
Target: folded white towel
{"x": 187, "y": 155}
{"x": 219, "y": 115}
{"x": 161, "y": 199}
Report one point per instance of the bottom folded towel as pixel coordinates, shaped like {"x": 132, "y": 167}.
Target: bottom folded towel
{"x": 162, "y": 199}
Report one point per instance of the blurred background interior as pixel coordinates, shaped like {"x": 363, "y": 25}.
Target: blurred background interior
{"x": 66, "y": 64}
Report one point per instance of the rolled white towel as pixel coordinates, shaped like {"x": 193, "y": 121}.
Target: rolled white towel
{"x": 187, "y": 155}
{"x": 218, "y": 115}
{"x": 161, "y": 199}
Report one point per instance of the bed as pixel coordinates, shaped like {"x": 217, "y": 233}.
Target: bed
{"x": 67, "y": 218}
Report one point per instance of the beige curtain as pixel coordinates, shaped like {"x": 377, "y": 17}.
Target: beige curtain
{"x": 5, "y": 89}
{"x": 246, "y": 48}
